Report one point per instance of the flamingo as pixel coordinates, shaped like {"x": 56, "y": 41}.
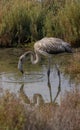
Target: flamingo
{"x": 47, "y": 46}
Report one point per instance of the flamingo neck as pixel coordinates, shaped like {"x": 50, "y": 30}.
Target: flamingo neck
{"x": 34, "y": 56}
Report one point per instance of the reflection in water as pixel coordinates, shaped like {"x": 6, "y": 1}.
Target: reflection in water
{"x": 50, "y": 92}
{"x": 59, "y": 87}
{"x": 23, "y": 95}
{"x": 37, "y": 97}
{"x": 35, "y": 79}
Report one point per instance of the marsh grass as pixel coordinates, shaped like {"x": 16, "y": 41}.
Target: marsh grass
{"x": 73, "y": 67}
{"x": 67, "y": 116}
{"x": 11, "y": 115}
{"x": 25, "y": 21}
{"x": 14, "y": 115}
{"x": 68, "y": 23}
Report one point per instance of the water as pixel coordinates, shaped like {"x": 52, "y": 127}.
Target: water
{"x": 34, "y": 81}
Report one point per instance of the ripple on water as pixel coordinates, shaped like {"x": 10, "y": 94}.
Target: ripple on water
{"x": 26, "y": 78}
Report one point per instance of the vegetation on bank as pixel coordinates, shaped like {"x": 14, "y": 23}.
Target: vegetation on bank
{"x": 14, "y": 115}
{"x": 73, "y": 68}
{"x": 24, "y": 21}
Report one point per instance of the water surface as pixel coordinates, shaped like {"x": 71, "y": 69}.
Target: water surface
{"x": 35, "y": 79}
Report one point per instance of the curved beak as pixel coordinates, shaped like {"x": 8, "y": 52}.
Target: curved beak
{"x": 20, "y": 66}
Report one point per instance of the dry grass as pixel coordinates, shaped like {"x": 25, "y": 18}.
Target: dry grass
{"x": 68, "y": 115}
{"x": 63, "y": 117}
{"x": 73, "y": 68}
{"x": 16, "y": 116}
{"x": 75, "y": 64}
{"x": 11, "y": 115}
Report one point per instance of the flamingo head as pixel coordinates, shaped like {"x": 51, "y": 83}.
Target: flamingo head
{"x": 20, "y": 63}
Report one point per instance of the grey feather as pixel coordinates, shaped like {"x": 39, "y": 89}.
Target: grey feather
{"x": 52, "y": 45}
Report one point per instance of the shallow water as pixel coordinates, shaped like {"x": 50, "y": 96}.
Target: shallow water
{"x": 35, "y": 79}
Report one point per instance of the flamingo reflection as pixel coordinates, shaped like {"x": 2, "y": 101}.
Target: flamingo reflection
{"x": 59, "y": 86}
{"x": 37, "y": 98}
{"x": 23, "y": 96}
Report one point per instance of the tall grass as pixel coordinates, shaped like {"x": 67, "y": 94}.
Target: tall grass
{"x": 73, "y": 68}
{"x": 16, "y": 21}
{"x": 28, "y": 20}
{"x": 69, "y": 20}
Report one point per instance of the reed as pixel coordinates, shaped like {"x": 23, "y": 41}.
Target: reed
{"x": 27, "y": 20}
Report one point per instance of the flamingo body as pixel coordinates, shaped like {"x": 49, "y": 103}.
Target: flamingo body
{"x": 51, "y": 46}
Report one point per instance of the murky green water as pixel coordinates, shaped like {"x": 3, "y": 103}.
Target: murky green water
{"x": 35, "y": 81}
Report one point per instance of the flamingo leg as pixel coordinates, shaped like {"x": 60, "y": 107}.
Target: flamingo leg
{"x": 58, "y": 72}
{"x": 50, "y": 91}
{"x": 48, "y": 72}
